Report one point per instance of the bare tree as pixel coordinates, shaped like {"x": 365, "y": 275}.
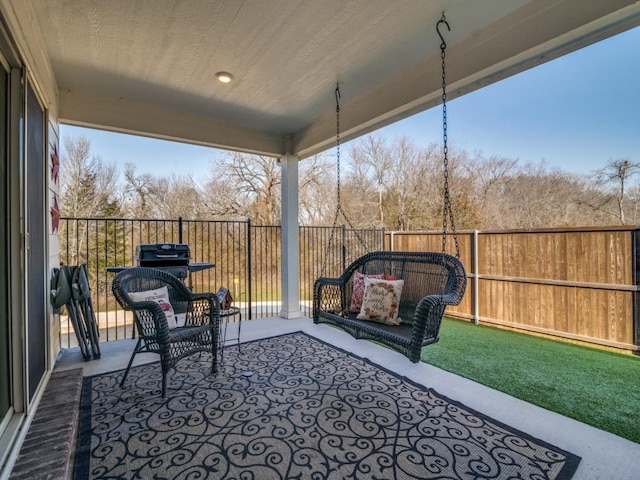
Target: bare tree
{"x": 537, "y": 197}
{"x": 614, "y": 176}
{"x": 220, "y": 199}
{"x": 404, "y": 185}
{"x": 633, "y": 211}
{"x": 139, "y": 191}
{"x": 314, "y": 183}
{"x": 88, "y": 186}
{"x": 181, "y": 198}
{"x": 413, "y": 193}
{"x": 390, "y": 184}
{"x": 358, "y": 193}
{"x": 167, "y": 197}
{"x": 242, "y": 185}
{"x": 374, "y": 155}
{"x": 245, "y": 185}
{"x": 491, "y": 177}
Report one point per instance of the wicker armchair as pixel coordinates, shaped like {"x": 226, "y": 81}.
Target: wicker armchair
{"x": 201, "y": 312}
{"x": 431, "y": 282}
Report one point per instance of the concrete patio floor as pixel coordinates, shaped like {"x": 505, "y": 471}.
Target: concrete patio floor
{"x": 604, "y": 455}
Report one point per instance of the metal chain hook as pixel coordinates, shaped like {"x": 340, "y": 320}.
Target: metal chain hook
{"x": 443, "y": 19}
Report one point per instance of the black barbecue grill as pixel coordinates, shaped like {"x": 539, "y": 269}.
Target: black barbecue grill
{"x": 171, "y": 257}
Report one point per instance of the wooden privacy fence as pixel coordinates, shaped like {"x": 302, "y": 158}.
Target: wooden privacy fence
{"x": 576, "y": 283}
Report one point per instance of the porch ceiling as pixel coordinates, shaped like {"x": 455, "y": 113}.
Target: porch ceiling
{"x": 148, "y": 66}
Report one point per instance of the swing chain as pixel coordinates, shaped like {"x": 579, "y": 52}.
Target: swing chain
{"x": 447, "y": 213}
{"x": 339, "y": 209}
{"x": 338, "y": 96}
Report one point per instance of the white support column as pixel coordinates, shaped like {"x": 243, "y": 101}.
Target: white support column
{"x": 290, "y": 238}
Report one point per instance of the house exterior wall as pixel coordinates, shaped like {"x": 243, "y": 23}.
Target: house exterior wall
{"x": 53, "y": 147}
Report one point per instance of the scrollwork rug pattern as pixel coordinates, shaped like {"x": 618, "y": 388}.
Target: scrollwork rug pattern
{"x": 309, "y": 411}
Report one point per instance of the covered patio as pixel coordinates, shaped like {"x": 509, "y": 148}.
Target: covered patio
{"x": 151, "y": 68}
{"x": 603, "y": 455}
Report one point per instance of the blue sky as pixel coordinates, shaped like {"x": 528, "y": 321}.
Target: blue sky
{"x": 575, "y": 113}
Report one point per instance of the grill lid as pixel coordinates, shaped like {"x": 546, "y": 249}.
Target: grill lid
{"x": 163, "y": 255}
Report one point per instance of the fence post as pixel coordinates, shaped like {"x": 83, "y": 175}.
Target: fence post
{"x": 635, "y": 245}
{"x": 249, "y": 263}
{"x": 180, "y": 230}
{"x": 476, "y": 280}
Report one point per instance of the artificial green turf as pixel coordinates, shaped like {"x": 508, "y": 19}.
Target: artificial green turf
{"x": 597, "y": 387}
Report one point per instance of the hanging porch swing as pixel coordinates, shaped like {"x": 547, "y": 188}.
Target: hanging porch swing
{"x": 395, "y": 298}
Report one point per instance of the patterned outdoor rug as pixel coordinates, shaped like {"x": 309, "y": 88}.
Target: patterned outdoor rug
{"x": 309, "y": 411}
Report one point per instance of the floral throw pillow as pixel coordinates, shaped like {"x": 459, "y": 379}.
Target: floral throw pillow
{"x": 161, "y": 297}
{"x": 381, "y": 301}
{"x": 358, "y": 290}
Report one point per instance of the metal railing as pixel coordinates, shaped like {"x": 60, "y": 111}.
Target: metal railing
{"x": 247, "y": 261}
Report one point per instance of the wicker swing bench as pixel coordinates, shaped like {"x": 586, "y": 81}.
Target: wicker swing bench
{"x": 431, "y": 281}
{"x": 394, "y": 298}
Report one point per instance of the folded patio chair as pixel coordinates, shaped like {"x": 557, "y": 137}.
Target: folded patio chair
{"x": 70, "y": 288}
{"x": 172, "y": 321}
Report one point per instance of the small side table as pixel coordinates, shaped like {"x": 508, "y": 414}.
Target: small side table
{"x": 225, "y": 317}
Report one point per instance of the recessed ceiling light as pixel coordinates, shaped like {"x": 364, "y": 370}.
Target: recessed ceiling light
{"x": 224, "y": 77}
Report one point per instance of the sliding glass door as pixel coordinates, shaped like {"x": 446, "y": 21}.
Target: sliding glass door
{"x": 6, "y": 393}
{"x": 36, "y": 246}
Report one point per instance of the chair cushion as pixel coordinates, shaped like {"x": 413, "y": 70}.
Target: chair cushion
{"x": 381, "y": 301}
{"x": 161, "y": 297}
{"x": 358, "y": 290}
